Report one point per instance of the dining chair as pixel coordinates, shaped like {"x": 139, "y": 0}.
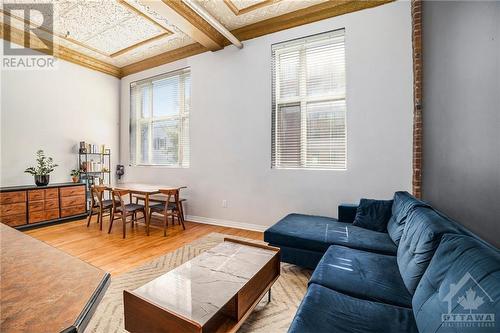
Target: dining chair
{"x": 161, "y": 199}
{"x": 120, "y": 210}
{"x": 98, "y": 205}
{"x": 171, "y": 207}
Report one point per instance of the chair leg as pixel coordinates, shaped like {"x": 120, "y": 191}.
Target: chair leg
{"x": 181, "y": 218}
{"x": 165, "y": 223}
{"x": 124, "y": 220}
{"x": 111, "y": 219}
{"x": 181, "y": 210}
{"x": 90, "y": 217}
{"x": 100, "y": 218}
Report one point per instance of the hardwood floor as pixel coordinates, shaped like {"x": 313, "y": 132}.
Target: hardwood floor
{"x": 116, "y": 255}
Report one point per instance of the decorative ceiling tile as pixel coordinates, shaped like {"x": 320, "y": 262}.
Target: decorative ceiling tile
{"x": 90, "y": 18}
{"x": 125, "y": 34}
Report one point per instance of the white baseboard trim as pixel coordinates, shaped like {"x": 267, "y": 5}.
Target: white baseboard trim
{"x": 226, "y": 223}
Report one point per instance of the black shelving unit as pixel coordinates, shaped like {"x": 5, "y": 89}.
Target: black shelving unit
{"x": 88, "y": 172}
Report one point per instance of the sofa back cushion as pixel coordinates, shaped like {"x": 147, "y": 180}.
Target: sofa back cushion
{"x": 402, "y": 204}
{"x": 461, "y": 282}
{"x": 421, "y": 236}
{"x": 373, "y": 214}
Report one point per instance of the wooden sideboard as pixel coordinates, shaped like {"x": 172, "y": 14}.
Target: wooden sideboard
{"x": 26, "y": 206}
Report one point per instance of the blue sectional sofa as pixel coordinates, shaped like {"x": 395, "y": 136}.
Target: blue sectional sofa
{"x": 427, "y": 273}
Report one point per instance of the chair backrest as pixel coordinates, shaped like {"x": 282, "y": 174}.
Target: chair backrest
{"x": 96, "y": 195}
{"x": 117, "y": 197}
{"x": 171, "y": 194}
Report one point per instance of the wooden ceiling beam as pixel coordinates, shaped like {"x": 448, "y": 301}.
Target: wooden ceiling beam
{"x": 164, "y": 58}
{"x": 189, "y": 22}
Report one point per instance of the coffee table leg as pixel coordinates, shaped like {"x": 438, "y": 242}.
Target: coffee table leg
{"x": 269, "y": 296}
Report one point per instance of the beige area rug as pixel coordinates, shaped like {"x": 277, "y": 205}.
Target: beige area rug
{"x": 275, "y": 317}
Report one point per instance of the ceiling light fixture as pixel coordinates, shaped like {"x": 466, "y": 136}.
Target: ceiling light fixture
{"x": 213, "y": 22}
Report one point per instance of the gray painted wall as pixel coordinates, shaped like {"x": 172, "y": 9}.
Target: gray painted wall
{"x": 461, "y": 103}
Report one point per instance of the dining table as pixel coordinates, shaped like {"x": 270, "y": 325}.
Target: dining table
{"x": 146, "y": 190}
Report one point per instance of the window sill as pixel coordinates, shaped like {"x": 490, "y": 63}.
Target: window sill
{"x": 157, "y": 166}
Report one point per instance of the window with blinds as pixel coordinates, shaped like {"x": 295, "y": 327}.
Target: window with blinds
{"x": 159, "y": 120}
{"x": 309, "y": 106}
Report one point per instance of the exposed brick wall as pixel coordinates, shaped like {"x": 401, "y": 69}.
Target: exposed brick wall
{"x": 416, "y": 14}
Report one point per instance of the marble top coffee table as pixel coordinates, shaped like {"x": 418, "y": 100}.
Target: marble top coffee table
{"x": 213, "y": 292}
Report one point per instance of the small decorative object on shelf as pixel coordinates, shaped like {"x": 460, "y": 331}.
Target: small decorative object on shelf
{"x": 120, "y": 171}
{"x": 94, "y": 162}
{"x": 75, "y": 175}
{"x": 45, "y": 165}
{"x": 83, "y": 149}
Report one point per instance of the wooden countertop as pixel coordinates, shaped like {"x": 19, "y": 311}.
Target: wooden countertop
{"x": 44, "y": 289}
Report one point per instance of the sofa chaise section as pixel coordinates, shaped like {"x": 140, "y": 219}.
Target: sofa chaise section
{"x": 304, "y": 239}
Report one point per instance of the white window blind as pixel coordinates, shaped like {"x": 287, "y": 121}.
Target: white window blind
{"x": 309, "y": 106}
{"x": 159, "y": 120}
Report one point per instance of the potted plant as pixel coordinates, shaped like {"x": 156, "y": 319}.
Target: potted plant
{"x": 75, "y": 175}
{"x": 45, "y": 165}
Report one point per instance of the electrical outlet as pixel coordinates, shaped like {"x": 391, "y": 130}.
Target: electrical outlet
{"x": 224, "y": 203}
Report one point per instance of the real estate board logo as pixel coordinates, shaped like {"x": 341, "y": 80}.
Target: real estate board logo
{"x": 469, "y": 306}
{"x": 28, "y": 41}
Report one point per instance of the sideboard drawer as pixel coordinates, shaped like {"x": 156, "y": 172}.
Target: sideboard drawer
{"x": 13, "y": 209}
{"x": 35, "y": 206}
{"x": 36, "y": 216}
{"x": 75, "y": 210}
{"x": 72, "y": 201}
{"x": 12, "y": 197}
{"x": 52, "y": 214}
{"x": 14, "y": 220}
{"x": 52, "y": 204}
{"x": 72, "y": 190}
{"x": 35, "y": 195}
{"x": 51, "y": 193}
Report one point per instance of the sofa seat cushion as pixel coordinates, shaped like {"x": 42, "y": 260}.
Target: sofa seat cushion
{"x": 362, "y": 274}
{"x": 421, "y": 236}
{"x": 403, "y": 203}
{"x": 326, "y": 310}
{"x": 463, "y": 278}
{"x": 317, "y": 233}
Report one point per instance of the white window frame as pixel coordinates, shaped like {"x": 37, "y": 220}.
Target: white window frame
{"x": 140, "y": 121}
{"x": 301, "y": 100}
